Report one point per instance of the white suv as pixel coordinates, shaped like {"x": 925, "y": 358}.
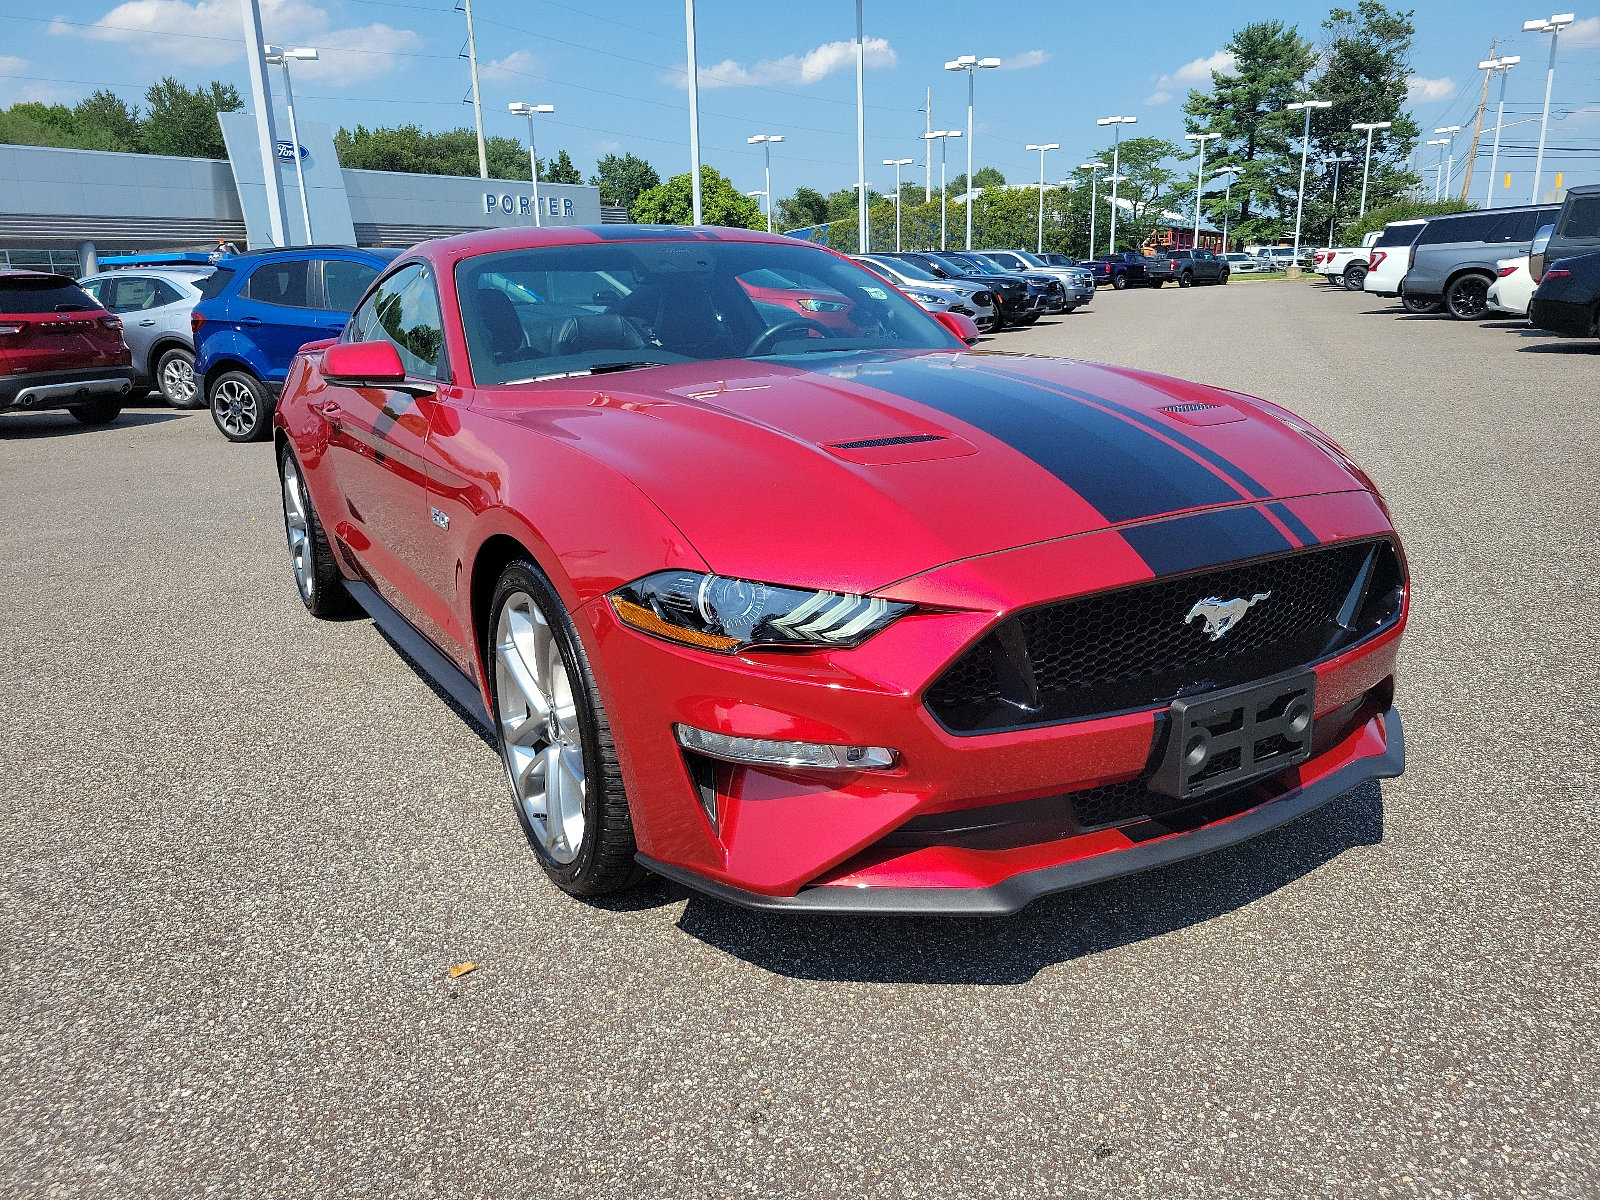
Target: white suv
{"x": 1390, "y": 257}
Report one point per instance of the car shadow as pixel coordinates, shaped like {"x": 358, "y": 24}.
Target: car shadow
{"x": 1563, "y": 346}
{"x": 23, "y": 426}
{"x": 483, "y": 733}
{"x": 1052, "y": 930}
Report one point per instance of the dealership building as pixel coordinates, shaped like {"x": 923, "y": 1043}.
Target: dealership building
{"x": 60, "y": 209}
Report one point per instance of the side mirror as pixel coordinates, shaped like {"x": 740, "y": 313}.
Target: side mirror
{"x": 1541, "y": 243}
{"x": 963, "y": 327}
{"x": 368, "y": 365}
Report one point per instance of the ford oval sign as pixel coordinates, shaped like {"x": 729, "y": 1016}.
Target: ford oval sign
{"x": 286, "y": 151}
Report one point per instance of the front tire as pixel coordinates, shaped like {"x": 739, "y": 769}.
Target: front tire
{"x": 175, "y": 379}
{"x": 316, "y": 575}
{"x": 1467, "y": 298}
{"x": 241, "y": 406}
{"x": 1224, "y": 277}
{"x": 1420, "y": 305}
{"x": 555, "y": 740}
{"x": 97, "y": 412}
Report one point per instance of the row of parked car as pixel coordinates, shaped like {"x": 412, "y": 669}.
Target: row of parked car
{"x": 1538, "y": 260}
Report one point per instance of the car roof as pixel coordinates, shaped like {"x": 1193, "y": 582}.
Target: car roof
{"x": 525, "y": 237}
{"x": 188, "y": 275}
{"x": 252, "y": 257}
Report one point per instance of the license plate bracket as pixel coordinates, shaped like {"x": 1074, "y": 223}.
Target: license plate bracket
{"x": 1224, "y": 739}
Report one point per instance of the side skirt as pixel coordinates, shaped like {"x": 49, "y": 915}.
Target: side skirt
{"x": 434, "y": 664}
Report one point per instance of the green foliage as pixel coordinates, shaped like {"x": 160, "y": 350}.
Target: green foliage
{"x": 561, "y": 170}
{"x": 1399, "y": 210}
{"x": 672, "y": 203}
{"x": 182, "y": 121}
{"x": 622, "y": 179}
{"x": 805, "y": 208}
{"x": 104, "y": 115}
{"x": 448, "y": 152}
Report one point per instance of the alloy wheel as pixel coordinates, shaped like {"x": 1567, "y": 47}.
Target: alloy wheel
{"x": 234, "y": 406}
{"x": 1469, "y": 297}
{"x": 541, "y": 738}
{"x": 297, "y": 525}
{"x": 177, "y": 381}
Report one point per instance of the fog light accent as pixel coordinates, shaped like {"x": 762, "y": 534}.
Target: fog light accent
{"x": 764, "y": 752}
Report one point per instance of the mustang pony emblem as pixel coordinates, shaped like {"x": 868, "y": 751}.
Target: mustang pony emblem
{"x": 1222, "y": 615}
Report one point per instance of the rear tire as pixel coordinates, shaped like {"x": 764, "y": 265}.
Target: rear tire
{"x": 1421, "y": 304}
{"x": 97, "y": 412}
{"x": 551, "y": 723}
{"x": 175, "y": 379}
{"x": 1185, "y": 280}
{"x": 1354, "y": 276}
{"x": 1467, "y": 298}
{"x": 1119, "y": 282}
{"x": 241, "y": 406}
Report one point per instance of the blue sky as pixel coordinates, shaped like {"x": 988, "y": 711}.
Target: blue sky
{"x": 614, "y": 70}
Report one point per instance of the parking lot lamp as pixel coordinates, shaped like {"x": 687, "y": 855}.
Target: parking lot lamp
{"x": 1366, "y": 171}
{"x": 1336, "y": 160}
{"x": 944, "y": 136}
{"x": 1094, "y": 170}
{"x": 520, "y": 109}
{"x": 1450, "y": 132}
{"x": 1503, "y": 67}
{"x": 1553, "y": 27}
{"x": 970, "y": 63}
{"x": 897, "y": 163}
{"x": 1199, "y": 175}
{"x": 279, "y": 57}
{"x": 694, "y": 116}
{"x": 1438, "y": 170}
{"x": 765, "y": 140}
{"x": 1042, "y": 151}
{"x": 1116, "y": 167}
{"x": 1305, "y": 144}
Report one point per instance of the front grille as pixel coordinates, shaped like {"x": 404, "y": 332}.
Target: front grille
{"x": 1134, "y": 648}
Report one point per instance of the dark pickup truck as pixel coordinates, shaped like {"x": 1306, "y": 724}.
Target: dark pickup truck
{"x": 1127, "y": 268}
{"x": 1197, "y": 266}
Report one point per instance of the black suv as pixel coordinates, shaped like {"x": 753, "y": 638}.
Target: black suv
{"x": 1197, "y": 266}
{"x": 1566, "y": 263}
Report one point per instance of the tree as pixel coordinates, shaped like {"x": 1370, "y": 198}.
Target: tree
{"x": 561, "y": 170}
{"x": 807, "y": 207}
{"x": 110, "y": 116}
{"x": 1246, "y": 107}
{"x": 621, "y": 179}
{"x": 986, "y": 177}
{"x": 183, "y": 121}
{"x": 672, "y": 203}
{"x": 1145, "y": 192}
{"x": 447, "y": 152}
{"x": 1399, "y": 210}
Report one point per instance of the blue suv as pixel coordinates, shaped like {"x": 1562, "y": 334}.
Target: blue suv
{"x": 256, "y": 312}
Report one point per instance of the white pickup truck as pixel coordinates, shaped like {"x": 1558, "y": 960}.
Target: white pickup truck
{"x": 1347, "y": 266}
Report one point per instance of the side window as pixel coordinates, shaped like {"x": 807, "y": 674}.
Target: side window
{"x": 1582, "y": 218}
{"x": 166, "y": 293}
{"x": 404, "y": 310}
{"x": 283, "y": 283}
{"x": 345, "y": 282}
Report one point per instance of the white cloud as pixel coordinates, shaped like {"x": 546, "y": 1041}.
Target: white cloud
{"x": 1028, "y": 58}
{"x": 607, "y": 147}
{"x": 10, "y": 64}
{"x": 1428, "y": 90}
{"x": 791, "y": 69}
{"x": 1582, "y": 35}
{"x": 518, "y": 62}
{"x": 207, "y": 33}
{"x": 1195, "y": 73}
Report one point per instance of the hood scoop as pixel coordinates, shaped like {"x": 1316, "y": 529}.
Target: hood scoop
{"x": 900, "y": 448}
{"x": 1200, "y": 412}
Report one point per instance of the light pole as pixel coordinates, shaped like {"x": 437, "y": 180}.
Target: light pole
{"x": 1199, "y": 175}
{"x": 863, "y": 230}
{"x": 279, "y": 57}
{"x": 520, "y": 109}
{"x": 944, "y": 136}
{"x": 1503, "y": 66}
{"x": 1450, "y": 132}
{"x": 1305, "y": 144}
{"x": 1094, "y": 169}
{"x": 765, "y": 140}
{"x": 897, "y": 163}
{"x": 1438, "y": 170}
{"x": 1116, "y": 166}
{"x": 1553, "y": 27}
{"x": 970, "y": 63}
{"x": 694, "y": 114}
{"x": 1366, "y": 171}
{"x": 1227, "y": 210}
{"x": 1336, "y": 160}
{"x": 1042, "y": 151}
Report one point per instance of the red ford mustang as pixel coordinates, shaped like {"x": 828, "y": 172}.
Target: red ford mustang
{"x": 835, "y": 617}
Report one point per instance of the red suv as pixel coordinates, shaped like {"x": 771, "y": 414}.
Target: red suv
{"x": 59, "y": 349}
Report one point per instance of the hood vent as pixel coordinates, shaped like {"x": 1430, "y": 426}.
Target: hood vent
{"x": 1197, "y": 406}
{"x": 875, "y": 443}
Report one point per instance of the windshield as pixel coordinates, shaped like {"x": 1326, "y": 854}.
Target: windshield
{"x": 553, "y": 311}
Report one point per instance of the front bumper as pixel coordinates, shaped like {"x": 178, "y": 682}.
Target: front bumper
{"x": 1385, "y": 759}
{"x": 41, "y": 391}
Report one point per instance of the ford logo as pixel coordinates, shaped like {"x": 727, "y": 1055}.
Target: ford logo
{"x": 286, "y": 151}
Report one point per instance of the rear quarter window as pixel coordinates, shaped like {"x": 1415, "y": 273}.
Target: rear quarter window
{"x": 1398, "y": 235}
{"x": 20, "y": 296}
{"x": 215, "y": 283}
{"x": 1450, "y": 230}
{"x": 1582, "y": 218}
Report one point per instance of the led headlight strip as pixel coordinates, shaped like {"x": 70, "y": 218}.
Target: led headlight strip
{"x": 712, "y": 612}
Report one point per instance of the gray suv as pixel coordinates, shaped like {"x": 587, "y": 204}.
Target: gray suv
{"x": 154, "y": 306}
{"x": 1455, "y": 257}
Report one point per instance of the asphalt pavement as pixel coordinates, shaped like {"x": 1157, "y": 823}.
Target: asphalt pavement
{"x": 243, "y": 849}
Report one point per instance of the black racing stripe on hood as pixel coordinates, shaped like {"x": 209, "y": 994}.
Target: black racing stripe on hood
{"x": 1205, "y": 539}
{"x": 1122, "y": 470}
{"x": 1295, "y": 525}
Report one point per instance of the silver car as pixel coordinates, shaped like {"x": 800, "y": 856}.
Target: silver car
{"x": 935, "y": 294}
{"x": 154, "y": 306}
{"x": 1077, "y": 282}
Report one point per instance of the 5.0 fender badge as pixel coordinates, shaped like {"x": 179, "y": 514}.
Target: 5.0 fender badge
{"x": 1222, "y": 615}
{"x": 439, "y": 518}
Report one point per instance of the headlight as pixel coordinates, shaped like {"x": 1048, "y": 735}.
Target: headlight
{"x": 811, "y": 305}
{"x": 928, "y": 298}
{"x": 728, "y": 615}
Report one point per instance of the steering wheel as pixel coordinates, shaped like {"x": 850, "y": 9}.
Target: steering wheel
{"x": 764, "y": 341}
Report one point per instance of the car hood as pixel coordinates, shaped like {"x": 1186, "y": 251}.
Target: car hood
{"x": 869, "y": 469}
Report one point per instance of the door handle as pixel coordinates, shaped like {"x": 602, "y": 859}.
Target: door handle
{"x": 330, "y": 408}
{"x": 251, "y": 321}
{"x": 335, "y": 327}
{"x": 147, "y": 321}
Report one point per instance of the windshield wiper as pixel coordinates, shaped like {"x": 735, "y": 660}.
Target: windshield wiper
{"x": 597, "y": 369}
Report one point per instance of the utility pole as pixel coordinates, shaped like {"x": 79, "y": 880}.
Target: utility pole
{"x": 1477, "y": 126}
{"x": 477, "y": 101}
